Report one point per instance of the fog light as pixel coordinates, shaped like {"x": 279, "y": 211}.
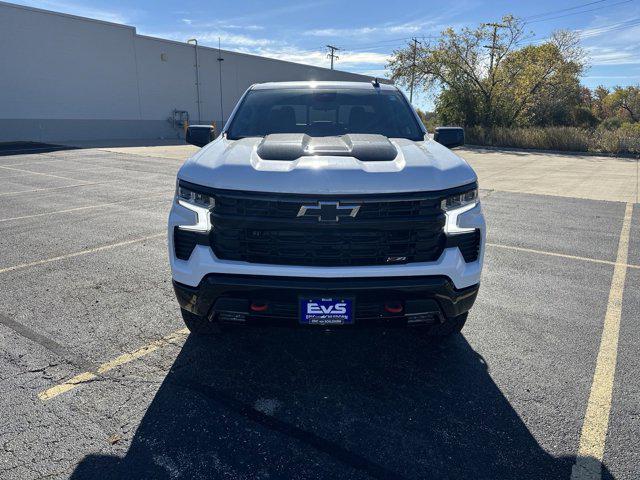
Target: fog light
{"x": 421, "y": 319}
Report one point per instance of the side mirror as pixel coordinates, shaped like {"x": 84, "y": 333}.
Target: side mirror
{"x": 449, "y": 136}
{"x": 200, "y": 135}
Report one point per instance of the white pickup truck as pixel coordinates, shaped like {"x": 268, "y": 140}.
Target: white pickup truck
{"x": 326, "y": 204}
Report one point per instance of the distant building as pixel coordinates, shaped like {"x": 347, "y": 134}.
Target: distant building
{"x": 72, "y": 78}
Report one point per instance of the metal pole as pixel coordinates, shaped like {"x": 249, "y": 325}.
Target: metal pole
{"x": 413, "y": 68}
{"x": 332, "y": 55}
{"x": 220, "y": 60}
{"x": 197, "y": 77}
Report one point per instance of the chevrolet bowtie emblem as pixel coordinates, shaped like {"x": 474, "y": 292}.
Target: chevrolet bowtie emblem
{"x": 328, "y": 211}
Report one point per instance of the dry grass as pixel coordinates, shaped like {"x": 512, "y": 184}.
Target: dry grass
{"x": 625, "y": 139}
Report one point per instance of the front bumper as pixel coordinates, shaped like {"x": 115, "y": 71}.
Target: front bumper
{"x": 423, "y": 299}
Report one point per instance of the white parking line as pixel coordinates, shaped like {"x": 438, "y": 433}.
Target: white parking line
{"x": 88, "y": 207}
{"x": 14, "y": 175}
{"x": 46, "y": 189}
{"x": 36, "y": 162}
{"x": 39, "y": 173}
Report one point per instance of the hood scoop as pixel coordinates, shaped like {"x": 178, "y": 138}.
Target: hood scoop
{"x": 291, "y": 146}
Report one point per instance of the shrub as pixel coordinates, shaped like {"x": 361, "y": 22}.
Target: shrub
{"x": 625, "y": 139}
{"x": 611, "y": 123}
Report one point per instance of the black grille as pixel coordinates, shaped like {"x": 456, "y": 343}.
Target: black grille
{"x": 468, "y": 243}
{"x": 265, "y": 207}
{"x": 184, "y": 242}
{"x": 388, "y": 229}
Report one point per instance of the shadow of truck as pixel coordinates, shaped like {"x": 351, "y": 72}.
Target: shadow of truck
{"x": 308, "y": 404}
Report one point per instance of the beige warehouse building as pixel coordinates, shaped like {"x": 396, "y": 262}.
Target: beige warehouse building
{"x": 72, "y": 78}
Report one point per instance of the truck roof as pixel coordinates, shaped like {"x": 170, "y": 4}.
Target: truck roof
{"x": 324, "y": 84}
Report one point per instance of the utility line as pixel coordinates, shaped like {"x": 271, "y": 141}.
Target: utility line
{"x": 578, "y": 13}
{"x": 390, "y": 40}
{"x": 594, "y": 32}
{"x": 597, "y": 31}
{"x": 553, "y": 12}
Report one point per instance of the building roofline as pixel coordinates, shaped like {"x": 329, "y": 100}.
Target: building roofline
{"x": 67, "y": 15}
{"x": 234, "y": 52}
{"x": 177, "y": 42}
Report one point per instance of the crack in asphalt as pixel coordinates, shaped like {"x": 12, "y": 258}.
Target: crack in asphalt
{"x": 324, "y": 445}
{"x": 46, "y": 342}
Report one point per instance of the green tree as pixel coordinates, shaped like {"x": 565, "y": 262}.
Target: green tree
{"x": 542, "y": 85}
{"x": 486, "y": 77}
{"x": 625, "y": 102}
{"x": 428, "y": 119}
{"x": 598, "y": 103}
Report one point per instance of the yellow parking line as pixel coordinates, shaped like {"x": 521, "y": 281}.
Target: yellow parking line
{"x": 117, "y": 362}
{"x": 562, "y": 255}
{"x": 77, "y": 254}
{"x": 596, "y": 419}
{"x": 66, "y": 386}
{"x": 88, "y": 207}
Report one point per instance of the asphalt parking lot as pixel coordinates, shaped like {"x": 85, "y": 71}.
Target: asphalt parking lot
{"x": 99, "y": 379}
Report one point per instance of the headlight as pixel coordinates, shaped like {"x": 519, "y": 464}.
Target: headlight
{"x": 460, "y": 200}
{"x": 456, "y": 205}
{"x": 198, "y": 202}
{"x": 195, "y": 198}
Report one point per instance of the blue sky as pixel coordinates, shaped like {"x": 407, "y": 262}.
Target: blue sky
{"x": 368, "y": 31}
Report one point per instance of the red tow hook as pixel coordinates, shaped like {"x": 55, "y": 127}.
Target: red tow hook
{"x": 259, "y": 306}
{"x": 393, "y": 307}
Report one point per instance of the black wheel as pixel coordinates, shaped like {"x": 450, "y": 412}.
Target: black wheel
{"x": 450, "y": 327}
{"x": 199, "y": 325}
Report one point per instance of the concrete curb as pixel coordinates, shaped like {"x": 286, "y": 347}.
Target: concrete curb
{"x": 555, "y": 152}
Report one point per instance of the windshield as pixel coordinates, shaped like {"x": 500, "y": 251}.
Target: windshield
{"x": 324, "y": 112}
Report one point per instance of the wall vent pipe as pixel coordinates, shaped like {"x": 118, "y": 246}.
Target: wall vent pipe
{"x": 195, "y": 44}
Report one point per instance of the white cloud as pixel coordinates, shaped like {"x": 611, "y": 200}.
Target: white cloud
{"x": 210, "y": 38}
{"x": 611, "y": 41}
{"x": 353, "y": 61}
{"x": 599, "y": 55}
{"x": 220, "y": 25}
{"x": 241, "y": 27}
{"x": 419, "y": 26}
{"x": 358, "y": 61}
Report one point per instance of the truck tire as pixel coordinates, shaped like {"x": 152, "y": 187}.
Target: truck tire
{"x": 199, "y": 325}
{"x": 450, "y": 327}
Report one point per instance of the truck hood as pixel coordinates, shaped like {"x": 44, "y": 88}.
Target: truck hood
{"x": 418, "y": 167}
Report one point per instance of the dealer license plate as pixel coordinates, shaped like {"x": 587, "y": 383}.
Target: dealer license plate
{"x": 326, "y": 311}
